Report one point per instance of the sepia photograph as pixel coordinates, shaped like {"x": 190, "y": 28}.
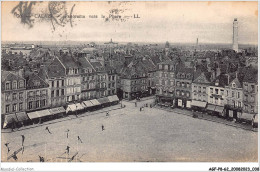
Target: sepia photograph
{"x": 129, "y": 81}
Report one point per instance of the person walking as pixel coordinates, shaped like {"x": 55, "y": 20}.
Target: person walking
{"x": 8, "y": 149}
{"x": 103, "y": 128}
{"x": 68, "y": 150}
{"x": 107, "y": 114}
{"x": 135, "y": 104}
{"x": 23, "y": 138}
{"x": 68, "y": 133}
{"x": 47, "y": 128}
{"x": 79, "y": 139}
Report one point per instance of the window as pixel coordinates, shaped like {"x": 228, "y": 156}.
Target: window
{"x": 239, "y": 104}
{"x": 222, "y": 92}
{"x": 30, "y": 94}
{"x": 7, "y": 86}
{"x": 62, "y": 83}
{"x": 43, "y": 103}
{"x": 233, "y": 94}
{"x": 204, "y": 89}
{"x": 20, "y": 96}
{"x": 199, "y": 89}
{"x": 52, "y": 83}
{"x": 216, "y": 91}
{"x": 57, "y": 93}
{"x": 14, "y": 107}
{"x": 20, "y": 106}
{"x": 211, "y": 90}
{"x": 166, "y": 67}
{"x": 7, "y": 97}
{"x": 52, "y": 93}
{"x": 21, "y": 84}
{"x": 37, "y": 104}
{"x": 252, "y": 88}
{"x": 14, "y": 96}
{"x": 188, "y": 85}
{"x": 14, "y": 85}
{"x": 62, "y": 92}
{"x": 238, "y": 95}
{"x": 227, "y": 93}
{"x": 38, "y": 93}
{"x": 7, "y": 108}
{"x": 252, "y": 109}
{"x": 58, "y": 83}
{"x": 234, "y": 85}
{"x": 43, "y": 92}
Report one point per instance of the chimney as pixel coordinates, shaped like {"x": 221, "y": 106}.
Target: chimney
{"x": 21, "y": 72}
{"x": 228, "y": 77}
{"x": 213, "y": 76}
{"x": 236, "y": 74}
{"x": 217, "y": 72}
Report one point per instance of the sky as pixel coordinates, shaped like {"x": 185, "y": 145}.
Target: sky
{"x": 176, "y": 22}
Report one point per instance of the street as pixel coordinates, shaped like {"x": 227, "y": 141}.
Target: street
{"x": 133, "y": 135}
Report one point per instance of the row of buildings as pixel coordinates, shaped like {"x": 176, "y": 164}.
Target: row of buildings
{"x": 229, "y": 94}
{"x": 65, "y": 80}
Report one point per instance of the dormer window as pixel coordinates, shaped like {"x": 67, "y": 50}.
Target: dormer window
{"x": 14, "y": 85}
{"x": 21, "y": 84}
{"x": 7, "y": 86}
{"x": 233, "y": 85}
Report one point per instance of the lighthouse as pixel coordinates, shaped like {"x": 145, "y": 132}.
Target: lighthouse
{"x": 235, "y": 35}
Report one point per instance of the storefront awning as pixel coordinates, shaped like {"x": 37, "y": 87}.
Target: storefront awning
{"x": 54, "y": 111}
{"x": 103, "y": 100}
{"x": 246, "y": 116}
{"x": 21, "y": 116}
{"x": 71, "y": 107}
{"x": 61, "y": 109}
{"x": 79, "y": 106}
{"x": 113, "y": 98}
{"x": 211, "y": 107}
{"x": 88, "y": 103}
{"x": 44, "y": 113}
{"x": 198, "y": 103}
{"x": 11, "y": 118}
{"x": 256, "y": 118}
{"x": 219, "y": 109}
{"x": 95, "y": 102}
{"x": 33, "y": 115}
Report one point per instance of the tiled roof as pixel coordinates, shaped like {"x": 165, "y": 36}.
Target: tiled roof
{"x": 34, "y": 81}
{"x": 251, "y": 75}
{"x": 84, "y": 63}
{"x": 68, "y": 60}
{"x": 55, "y": 69}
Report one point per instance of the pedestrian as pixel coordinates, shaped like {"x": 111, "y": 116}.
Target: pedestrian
{"x": 15, "y": 157}
{"x": 80, "y": 139}
{"x": 68, "y": 133}
{"x": 8, "y": 149}
{"x": 68, "y": 150}
{"x": 41, "y": 158}
{"x": 47, "y": 128}
{"x": 107, "y": 114}
{"x": 103, "y": 128}
{"x": 140, "y": 109}
{"x": 22, "y": 139}
{"x": 135, "y": 104}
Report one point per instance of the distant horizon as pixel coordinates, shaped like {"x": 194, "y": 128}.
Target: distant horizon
{"x": 140, "y": 42}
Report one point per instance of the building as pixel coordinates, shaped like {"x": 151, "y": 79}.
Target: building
{"x": 151, "y": 69}
{"x": 165, "y": 85}
{"x": 13, "y": 93}
{"x": 216, "y": 95}
{"x": 200, "y": 90}
{"x": 250, "y": 89}
{"x": 183, "y": 91}
{"x": 101, "y": 79}
{"x": 37, "y": 92}
{"x": 111, "y": 80}
{"x": 73, "y": 77}
{"x": 235, "y": 35}
{"x": 134, "y": 79}
{"x": 55, "y": 75}
{"x": 88, "y": 79}
{"x": 234, "y": 98}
